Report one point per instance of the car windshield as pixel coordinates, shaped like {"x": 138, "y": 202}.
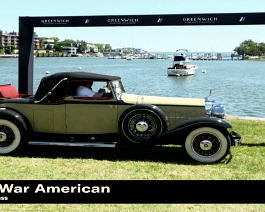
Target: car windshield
{"x": 118, "y": 88}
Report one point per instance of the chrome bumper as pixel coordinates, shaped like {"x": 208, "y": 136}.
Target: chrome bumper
{"x": 236, "y": 138}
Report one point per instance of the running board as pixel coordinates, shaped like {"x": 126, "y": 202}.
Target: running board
{"x": 82, "y": 144}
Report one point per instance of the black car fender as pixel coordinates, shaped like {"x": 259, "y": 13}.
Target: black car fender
{"x": 16, "y": 119}
{"x": 145, "y": 106}
{"x": 182, "y": 130}
{"x": 12, "y": 116}
{"x": 158, "y": 115}
{"x": 203, "y": 121}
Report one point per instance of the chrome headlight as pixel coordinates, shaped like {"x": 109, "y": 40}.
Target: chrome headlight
{"x": 214, "y": 110}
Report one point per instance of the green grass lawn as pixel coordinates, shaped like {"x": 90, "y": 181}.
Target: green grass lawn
{"x": 159, "y": 163}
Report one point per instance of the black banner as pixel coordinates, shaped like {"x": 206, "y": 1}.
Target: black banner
{"x": 146, "y": 20}
{"x": 123, "y": 191}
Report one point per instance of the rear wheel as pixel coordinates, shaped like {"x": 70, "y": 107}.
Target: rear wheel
{"x": 10, "y": 136}
{"x": 207, "y": 145}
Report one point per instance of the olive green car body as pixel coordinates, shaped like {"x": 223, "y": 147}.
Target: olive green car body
{"x": 88, "y": 116}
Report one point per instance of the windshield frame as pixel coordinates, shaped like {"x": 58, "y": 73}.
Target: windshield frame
{"x": 117, "y": 88}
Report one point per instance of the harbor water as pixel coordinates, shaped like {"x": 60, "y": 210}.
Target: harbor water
{"x": 239, "y": 85}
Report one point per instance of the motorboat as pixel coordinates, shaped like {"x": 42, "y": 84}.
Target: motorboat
{"x": 170, "y": 56}
{"x": 196, "y": 57}
{"x": 182, "y": 66}
{"x": 214, "y": 57}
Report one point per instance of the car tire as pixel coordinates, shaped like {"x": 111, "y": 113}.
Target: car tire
{"x": 11, "y": 136}
{"x": 142, "y": 124}
{"x": 207, "y": 145}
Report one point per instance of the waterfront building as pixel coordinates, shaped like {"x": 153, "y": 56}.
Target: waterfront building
{"x": 112, "y": 52}
{"x": 69, "y": 50}
{"x": 133, "y": 50}
{"x": 139, "y": 51}
{"x": 7, "y": 39}
{"x": 69, "y": 44}
{"x": 45, "y": 43}
{"x": 120, "y": 51}
{"x": 12, "y": 38}
{"x": 92, "y": 48}
{"x": 128, "y": 49}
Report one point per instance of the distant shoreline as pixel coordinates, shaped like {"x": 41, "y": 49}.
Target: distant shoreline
{"x": 17, "y": 55}
{"x": 256, "y": 60}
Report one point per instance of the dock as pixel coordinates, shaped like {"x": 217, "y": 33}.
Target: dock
{"x": 8, "y": 55}
{"x": 225, "y": 59}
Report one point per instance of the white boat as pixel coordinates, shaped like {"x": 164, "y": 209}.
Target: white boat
{"x": 182, "y": 66}
{"x": 195, "y": 57}
{"x": 170, "y": 56}
{"x": 214, "y": 57}
{"x": 99, "y": 55}
{"x": 115, "y": 57}
{"x": 76, "y": 55}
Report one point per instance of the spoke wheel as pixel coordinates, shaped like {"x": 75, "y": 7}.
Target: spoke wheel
{"x": 141, "y": 125}
{"x": 207, "y": 145}
{"x": 10, "y": 136}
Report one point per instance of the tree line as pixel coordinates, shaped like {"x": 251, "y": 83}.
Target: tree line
{"x": 251, "y": 48}
{"x": 81, "y": 44}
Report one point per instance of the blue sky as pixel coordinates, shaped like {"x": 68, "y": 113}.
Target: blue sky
{"x": 165, "y": 38}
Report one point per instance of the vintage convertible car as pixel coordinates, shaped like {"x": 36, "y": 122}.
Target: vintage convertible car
{"x": 55, "y": 115}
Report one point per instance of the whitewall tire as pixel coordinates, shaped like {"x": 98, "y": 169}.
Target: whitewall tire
{"x": 207, "y": 145}
{"x": 10, "y": 136}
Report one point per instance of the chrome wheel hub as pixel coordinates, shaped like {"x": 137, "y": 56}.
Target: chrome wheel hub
{"x": 7, "y": 136}
{"x": 2, "y": 136}
{"x": 206, "y": 145}
{"x": 142, "y": 126}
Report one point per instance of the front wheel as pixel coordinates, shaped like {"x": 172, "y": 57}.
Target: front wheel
{"x": 10, "y": 136}
{"x": 207, "y": 145}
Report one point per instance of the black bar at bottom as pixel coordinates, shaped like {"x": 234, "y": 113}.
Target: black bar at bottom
{"x": 130, "y": 191}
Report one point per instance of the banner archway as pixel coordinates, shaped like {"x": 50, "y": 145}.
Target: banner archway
{"x": 27, "y": 24}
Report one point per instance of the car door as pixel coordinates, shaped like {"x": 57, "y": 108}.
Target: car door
{"x": 88, "y": 115}
{"x": 48, "y": 118}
